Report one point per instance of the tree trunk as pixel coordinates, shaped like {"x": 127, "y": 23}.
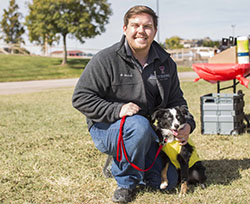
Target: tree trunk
{"x": 11, "y": 48}
{"x": 64, "y": 50}
{"x": 45, "y": 48}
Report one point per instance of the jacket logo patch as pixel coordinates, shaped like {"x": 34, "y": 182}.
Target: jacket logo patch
{"x": 162, "y": 68}
{"x": 126, "y": 75}
{"x": 163, "y": 76}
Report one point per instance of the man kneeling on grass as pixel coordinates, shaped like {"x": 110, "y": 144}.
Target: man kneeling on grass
{"x": 131, "y": 78}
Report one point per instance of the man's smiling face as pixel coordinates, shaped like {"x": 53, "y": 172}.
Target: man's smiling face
{"x": 140, "y": 32}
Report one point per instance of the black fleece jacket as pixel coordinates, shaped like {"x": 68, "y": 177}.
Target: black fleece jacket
{"x": 110, "y": 80}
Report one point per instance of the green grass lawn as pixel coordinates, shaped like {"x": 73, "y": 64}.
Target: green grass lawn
{"x": 47, "y": 155}
{"x": 184, "y": 69}
{"x": 24, "y": 68}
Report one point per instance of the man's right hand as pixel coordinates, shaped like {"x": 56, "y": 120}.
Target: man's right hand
{"x": 129, "y": 109}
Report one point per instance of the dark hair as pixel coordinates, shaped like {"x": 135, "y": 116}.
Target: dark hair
{"x": 139, "y": 10}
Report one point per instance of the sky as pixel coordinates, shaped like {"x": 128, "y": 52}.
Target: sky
{"x": 188, "y": 19}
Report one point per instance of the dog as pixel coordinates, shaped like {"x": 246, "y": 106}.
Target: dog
{"x": 167, "y": 122}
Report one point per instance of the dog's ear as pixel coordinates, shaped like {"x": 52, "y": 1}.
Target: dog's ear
{"x": 183, "y": 110}
{"x": 157, "y": 114}
{"x": 153, "y": 116}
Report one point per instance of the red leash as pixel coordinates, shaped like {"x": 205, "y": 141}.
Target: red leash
{"x": 120, "y": 145}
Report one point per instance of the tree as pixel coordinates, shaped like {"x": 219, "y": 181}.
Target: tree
{"x": 48, "y": 20}
{"x": 207, "y": 42}
{"x": 11, "y": 27}
{"x": 173, "y": 43}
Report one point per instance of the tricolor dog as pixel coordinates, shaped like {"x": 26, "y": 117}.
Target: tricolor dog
{"x": 185, "y": 158}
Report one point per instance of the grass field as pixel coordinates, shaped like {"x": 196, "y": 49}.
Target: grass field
{"x": 24, "y": 68}
{"x": 47, "y": 155}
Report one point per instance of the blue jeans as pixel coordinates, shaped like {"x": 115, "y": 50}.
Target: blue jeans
{"x": 140, "y": 142}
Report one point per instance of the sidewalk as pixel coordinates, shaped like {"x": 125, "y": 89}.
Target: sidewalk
{"x": 7, "y": 88}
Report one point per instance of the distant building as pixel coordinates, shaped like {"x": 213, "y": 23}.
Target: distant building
{"x": 70, "y": 53}
{"x": 204, "y": 52}
{"x": 188, "y": 56}
{"x": 188, "y": 43}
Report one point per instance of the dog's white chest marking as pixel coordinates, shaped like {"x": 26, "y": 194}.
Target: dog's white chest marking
{"x": 175, "y": 121}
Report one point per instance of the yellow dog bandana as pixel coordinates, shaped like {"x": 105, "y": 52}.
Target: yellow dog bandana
{"x": 172, "y": 149}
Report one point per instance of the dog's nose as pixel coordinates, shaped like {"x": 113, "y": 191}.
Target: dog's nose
{"x": 176, "y": 126}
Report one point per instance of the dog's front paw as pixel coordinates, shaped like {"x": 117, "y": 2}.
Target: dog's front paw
{"x": 164, "y": 185}
{"x": 203, "y": 186}
{"x": 184, "y": 189}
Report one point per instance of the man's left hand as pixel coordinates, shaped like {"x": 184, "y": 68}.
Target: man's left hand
{"x": 183, "y": 134}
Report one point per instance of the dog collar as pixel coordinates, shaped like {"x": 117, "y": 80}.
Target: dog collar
{"x": 164, "y": 141}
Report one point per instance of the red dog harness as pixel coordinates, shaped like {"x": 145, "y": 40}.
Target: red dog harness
{"x": 120, "y": 145}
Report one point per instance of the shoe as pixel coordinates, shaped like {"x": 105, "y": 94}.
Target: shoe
{"x": 123, "y": 195}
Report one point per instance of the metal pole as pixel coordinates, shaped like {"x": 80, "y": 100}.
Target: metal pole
{"x": 233, "y": 27}
{"x": 158, "y": 13}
